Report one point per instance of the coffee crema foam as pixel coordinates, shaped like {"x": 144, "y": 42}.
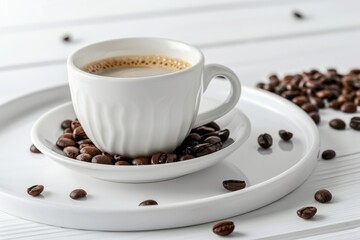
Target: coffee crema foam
{"x": 108, "y": 66}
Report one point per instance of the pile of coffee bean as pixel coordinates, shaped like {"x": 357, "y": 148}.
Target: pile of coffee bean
{"x": 314, "y": 90}
{"x": 201, "y": 141}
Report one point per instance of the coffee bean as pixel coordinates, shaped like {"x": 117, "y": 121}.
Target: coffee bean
{"x": 35, "y": 190}
{"x": 357, "y": 101}
{"x": 203, "y": 149}
{"x": 118, "y": 157}
{"x": 79, "y": 133}
{"x": 186, "y": 157}
{"x": 148, "y": 203}
{"x": 78, "y": 193}
{"x": 317, "y": 102}
{"x": 298, "y": 15}
{"x": 65, "y": 142}
{"x": 308, "y": 107}
{"x": 290, "y": 94}
{"x": 161, "y": 157}
{"x": 260, "y": 85}
{"x": 224, "y": 228}
{"x": 141, "y": 161}
{"x": 306, "y": 212}
{"x": 234, "y": 185}
{"x": 83, "y": 145}
{"x": 334, "y": 104}
{"x": 323, "y": 196}
{"x": 66, "y": 38}
{"x": 222, "y": 134}
{"x": 66, "y": 124}
{"x": 203, "y": 130}
{"x": 75, "y": 124}
{"x": 71, "y": 151}
{"x": 193, "y": 137}
{"x": 122, "y": 162}
{"x": 300, "y": 100}
{"x": 85, "y": 141}
{"x": 68, "y": 130}
{"x": 337, "y": 124}
{"x": 355, "y": 123}
{"x": 213, "y": 125}
{"x": 67, "y": 135}
{"x": 34, "y": 149}
{"x": 315, "y": 117}
{"x": 84, "y": 157}
{"x": 348, "y": 107}
{"x": 324, "y": 94}
{"x": 101, "y": 159}
{"x": 265, "y": 140}
{"x": 328, "y": 154}
{"x": 93, "y": 151}
{"x": 285, "y": 135}
{"x": 212, "y": 140}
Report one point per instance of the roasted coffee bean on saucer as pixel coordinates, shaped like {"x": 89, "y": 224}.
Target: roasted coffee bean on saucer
{"x": 234, "y": 185}
{"x": 148, "y": 203}
{"x": 306, "y": 212}
{"x": 224, "y": 228}
{"x": 265, "y": 140}
{"x": 34, "y": 149}
{"x": 285, "y": 135}
{"x": 35, "y": 190}
{"x": 78, "y": 193}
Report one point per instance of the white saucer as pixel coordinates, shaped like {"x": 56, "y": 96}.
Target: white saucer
{"x": 192, "y": 199}
{"x": 46, "y": 131}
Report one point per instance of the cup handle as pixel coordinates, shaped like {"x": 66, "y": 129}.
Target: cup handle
{"x": 210, "y": 72}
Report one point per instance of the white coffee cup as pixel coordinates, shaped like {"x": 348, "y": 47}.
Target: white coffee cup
{"x": 138, "y": 116}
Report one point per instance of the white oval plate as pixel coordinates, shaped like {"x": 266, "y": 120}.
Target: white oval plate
{"x": 192, "y": 199}
{"x": 46, "y": 131}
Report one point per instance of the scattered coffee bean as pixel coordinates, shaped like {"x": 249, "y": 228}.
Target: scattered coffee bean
{"x": 234, "y": 185}
{"x": 84, "y": 157}
{"x": 35, "y": 190}
{"x": 224, "y": 228}
{"x": 66, "y": 38}
{"x": 348, "y": 107}
{"x": 337, "y": 124}
{"x": 34, "y": 149}
{"x": 328, "y": 154}
{"x": 141, "y": 161}
{"x": 66, "y": 124}
{"x": 315, "y": 117}
{"x": 78, "y": 193}
{"x": 93, "y": 151}
{"x": 306, "y": 212}
{"x": 101, "y": 159}
{"x": 323, "y": 196}
{"x": 65, "y": 142}
{"x": 285, "y": 135}
{"x": 71, "y": 151}
{"x": 298, "y": 15}
{"x": 148, "y": 203}
{"x": 265, "y": 140}
{"x": 355, "y": 123}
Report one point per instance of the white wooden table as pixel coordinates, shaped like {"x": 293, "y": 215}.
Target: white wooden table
{"x": 255, "y": 38}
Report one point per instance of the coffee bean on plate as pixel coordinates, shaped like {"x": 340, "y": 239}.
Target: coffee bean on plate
{"x": 328, "y": 154}
{"x": 234, "y": 185}
{"x": 93, "y": 151}
{"x": 265, "y": 140}
{"x": 306, "y": 212}
{"x": 75, "y": 124}
{"x": 285, "y": 135}
{"x": 308, "y": 107}
{"x": 65, "y": 142}
{"x": 315, "y": 117}
{"x": 213, "y": 125}
{"x": 212, "y": 140}
{"x": 161, "y": 157}
{"x": 334, "y": 104}
{"x": 348, "y": 107}
{"x": 323, "y": 196}
{"x": 337, "y": 124}
{"x": 186, "y": 157}
{"x": 71, "y": 151}
{"x": 35, "y": 190}
{"x": 66, "y": 124}
{"x": 355, "y": 123}
{"x": 67, "y": 135}
{"x": 101, "y": 159}
{"x": 203, "y": 130}
{"x": 122, "y": 163}
{"x": 148, "y": 202}
{"x": 141, "y": 161}
{"x": 84, "y": 157}
{"x": 34, "y": 149}
{"x": 68, "y": 130}
{"x": 203, "y": 149}
{"x": 79, "y": 133}
{"x": 78, "y": 193}
{"x": 224, "y": 228}
{"x": 85, "y": 141}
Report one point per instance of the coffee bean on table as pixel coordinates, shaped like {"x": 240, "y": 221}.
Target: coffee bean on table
{"x": 101, "y": 159}
{"x": 35, "y": 190}
{"x": 265, "y": 140}
{"x": 78, "y": 193}
{"x": 85, "y": 141}
{"x": 93, "y": 151}
{"x": 306, "y": 212}
{"x": 355, "y": 123}
{"x": 224, "y": 228}
{"x": 141, "y": 161}
{"x": 34, "y": 149}
{"x": 66, "y": 124}
{"x": 348, "y": 107}
{"x": 84, "y": 157}
{"x": 323, "y": 196}
{"x": 328, "y": 154}
{"x": 337, "y": 124}
{"x": 234, "y": 185}
{"x": 285, "y": 135}
{"x": 315, "y": 117}
{"x": 148, "y": 203}
{"x": 71, "y": 151}
{"x": 334, "y": 104}
{"x": 65, "y": 142}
